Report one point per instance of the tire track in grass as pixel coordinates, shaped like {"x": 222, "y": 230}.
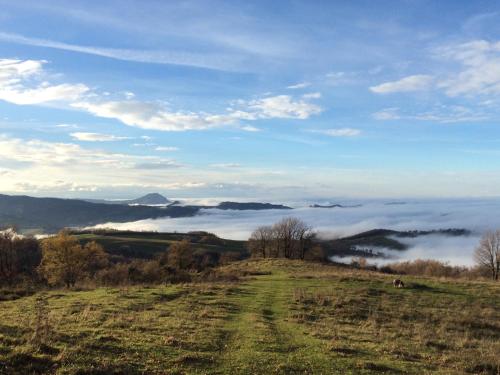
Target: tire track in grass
{"x": 259, "y": 339}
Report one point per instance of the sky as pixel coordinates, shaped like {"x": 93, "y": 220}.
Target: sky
{"x": 250, "y": 100}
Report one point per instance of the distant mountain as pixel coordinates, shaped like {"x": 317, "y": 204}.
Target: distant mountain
{"x": 250, "y": 206}
{"x": 146, "y": 200}
{"x": 52, "y": 214}
{"x": 334, "y": 206}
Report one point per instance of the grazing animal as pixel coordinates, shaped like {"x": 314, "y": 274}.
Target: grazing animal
{"x": 398, "y": 283}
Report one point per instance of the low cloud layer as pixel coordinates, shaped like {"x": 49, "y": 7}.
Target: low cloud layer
{"x": 476, "y": 215}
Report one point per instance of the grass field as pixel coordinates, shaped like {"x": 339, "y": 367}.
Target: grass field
{"x": 283, "y": 317}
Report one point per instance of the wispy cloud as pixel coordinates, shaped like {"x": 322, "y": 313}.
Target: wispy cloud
{"x": 312, "y": 95}
{"x": 250, "y": 128}
{"x": 441, "y": 114}
{"x": 417, "y": 82}
{"x": 166, "y": 148}
{"x": 339, "y": 132}
{"x": 300, "y": 85}
{"x": 96, "y": 137}
{"x": 480, "y": 73}
{"x": 387, "y": 114}
{"x": 477, "y": 73}
{"x": 225, "y": 165}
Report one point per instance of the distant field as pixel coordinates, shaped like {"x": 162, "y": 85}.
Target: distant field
{"x": 146, "y": 244}
{"x": 283, "y": 317}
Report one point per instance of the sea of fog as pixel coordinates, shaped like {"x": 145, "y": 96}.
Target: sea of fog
{"x": 476, "y": 215}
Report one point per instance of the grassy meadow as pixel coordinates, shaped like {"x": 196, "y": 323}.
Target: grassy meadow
{"x": 281, "y": 317}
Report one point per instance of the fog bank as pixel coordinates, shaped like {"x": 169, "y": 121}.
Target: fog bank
{"x": 476, "y": 215}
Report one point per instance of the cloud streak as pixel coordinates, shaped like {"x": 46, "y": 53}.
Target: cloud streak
{"x": 96, "y": 137}
{"x": 339, "y": 132}
{"x": 417, "y": 82}
{"x": 217, "y": 61}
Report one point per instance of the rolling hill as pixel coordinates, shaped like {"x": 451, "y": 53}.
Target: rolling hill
{"x": 52, "y": 214}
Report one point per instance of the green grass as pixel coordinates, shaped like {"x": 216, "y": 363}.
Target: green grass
{"x": 286, "y": 317}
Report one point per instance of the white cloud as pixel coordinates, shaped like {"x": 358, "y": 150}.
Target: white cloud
{"x": 153, "y": 116}
{"x": 16, "y": 86}
{"x": 417, "y": 82}
{"x": 281, "y": 106}
{"x": 166, "y": 149}
{"x": 12, "y": 71}
{"x": 42, "y": 94}
{"x": 96, "y": 137}
{"x": 300, "y": 85}
{"x": 250, "y": 128}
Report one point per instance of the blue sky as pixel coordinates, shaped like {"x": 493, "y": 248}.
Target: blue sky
{"x": 251, "y": 100}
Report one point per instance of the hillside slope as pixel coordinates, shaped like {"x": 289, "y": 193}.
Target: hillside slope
{"x": 284, "y": 317}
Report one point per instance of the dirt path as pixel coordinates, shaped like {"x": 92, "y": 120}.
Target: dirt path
{"x": 260, "y": 338}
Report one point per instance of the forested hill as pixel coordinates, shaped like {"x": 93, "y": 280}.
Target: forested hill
{"x": 146, "y": 200}
{"x": 52, "y": 214}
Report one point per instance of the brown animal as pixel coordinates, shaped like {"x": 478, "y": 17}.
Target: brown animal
{"x": 398, "y": 283}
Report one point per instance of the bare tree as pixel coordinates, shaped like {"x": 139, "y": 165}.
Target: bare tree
{"x": 293, "y": 237}
{"x": 487, "y": 254}
{"x": 289, "y": 238}
{"x": 260, "y": 242}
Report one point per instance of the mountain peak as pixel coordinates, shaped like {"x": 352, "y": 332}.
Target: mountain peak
{"x": 151, "y": 198}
